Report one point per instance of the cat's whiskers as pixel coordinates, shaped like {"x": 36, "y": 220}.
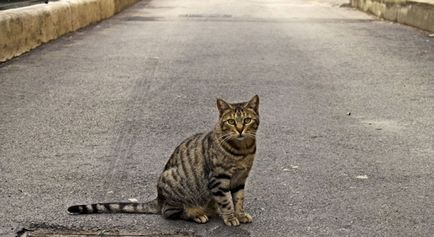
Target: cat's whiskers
{"x": 225, "y": 139}
{"x": 250, "y": 134}
{"x": 222, "y": 138}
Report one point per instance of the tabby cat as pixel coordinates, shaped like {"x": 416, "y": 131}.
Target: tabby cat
{"x": 206, "y": 173}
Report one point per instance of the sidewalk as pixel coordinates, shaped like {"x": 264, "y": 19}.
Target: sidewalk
{"x": 417, "y": 13}
{"x": 25, "y": 28}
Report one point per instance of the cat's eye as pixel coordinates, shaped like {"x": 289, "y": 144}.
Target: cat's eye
{"x": 247, "y": 120}
{"x": 231, "y": 122}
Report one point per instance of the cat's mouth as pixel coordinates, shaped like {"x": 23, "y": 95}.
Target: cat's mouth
{"x": 240, "y": 137}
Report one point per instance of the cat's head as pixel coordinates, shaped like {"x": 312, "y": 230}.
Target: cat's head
{"x": 238, "y": 121}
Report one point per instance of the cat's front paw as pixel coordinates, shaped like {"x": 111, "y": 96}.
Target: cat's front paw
{"x": 231, "y": 220}
{"x": 244, "y": 217}
{"x": 202, "y": 219}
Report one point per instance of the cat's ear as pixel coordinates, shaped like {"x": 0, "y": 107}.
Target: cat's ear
{"x": 253, "y": 103}
{"x": 222, "y": 106}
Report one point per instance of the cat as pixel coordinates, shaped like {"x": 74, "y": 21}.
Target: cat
{"x": 206, "y": 174}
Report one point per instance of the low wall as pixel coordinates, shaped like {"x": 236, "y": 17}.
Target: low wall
{"x": 23, "y": 29}
{"x": 417, "y": 13}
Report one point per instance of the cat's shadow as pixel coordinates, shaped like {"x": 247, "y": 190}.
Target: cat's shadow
{"x": 214, "y": 228}
{"x": 221, "y": 230}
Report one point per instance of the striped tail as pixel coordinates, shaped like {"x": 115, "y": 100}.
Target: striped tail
{"x": 150, "y": 207}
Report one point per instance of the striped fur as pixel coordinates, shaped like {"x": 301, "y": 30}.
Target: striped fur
{"x": 120, "y": 207}
{"x": 206, "y": 174}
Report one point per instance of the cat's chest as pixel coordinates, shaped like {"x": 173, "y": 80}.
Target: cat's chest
{"x": 241, "y": 169}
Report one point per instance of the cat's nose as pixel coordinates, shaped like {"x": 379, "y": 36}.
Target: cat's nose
{"x": 239, "y": 127}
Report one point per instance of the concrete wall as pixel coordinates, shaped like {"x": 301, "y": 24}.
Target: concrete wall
{"x": 23, "y": 29}
{"x": 417, "y": 13}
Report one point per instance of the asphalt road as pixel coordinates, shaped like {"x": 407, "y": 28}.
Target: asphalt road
{"x": 93, "y": 117}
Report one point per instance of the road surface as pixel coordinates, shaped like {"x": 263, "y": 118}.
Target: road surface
{"x": 345, "y": 146}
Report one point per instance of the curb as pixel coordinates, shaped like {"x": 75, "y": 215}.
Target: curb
{"x": 417, "y": 13}
{"x": 26, "y": 28}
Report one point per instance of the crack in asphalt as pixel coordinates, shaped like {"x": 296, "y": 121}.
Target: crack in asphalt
{"x": 132, "y": 124}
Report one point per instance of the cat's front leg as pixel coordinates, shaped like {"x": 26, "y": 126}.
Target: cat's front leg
{"x": 219, "y": 186}
{"x": 238, "y": 200}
